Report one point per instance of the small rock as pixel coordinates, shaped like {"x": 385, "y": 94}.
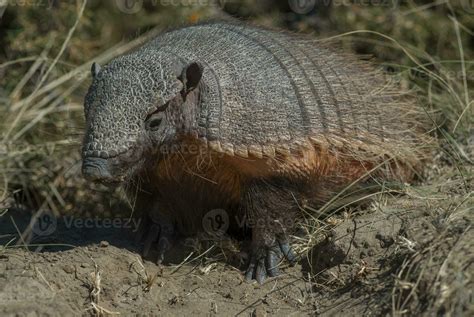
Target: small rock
{"x": 68, "y": 269}
{"x": 385, "y": 240}
{"x": 259, "y": 312}
{"x": 104, "y": 244}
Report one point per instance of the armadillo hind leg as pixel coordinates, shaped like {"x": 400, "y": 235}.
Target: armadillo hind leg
{"x": 272, "y": 212}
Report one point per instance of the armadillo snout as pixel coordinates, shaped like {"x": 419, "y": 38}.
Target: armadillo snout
{"x": 98, "y": 170}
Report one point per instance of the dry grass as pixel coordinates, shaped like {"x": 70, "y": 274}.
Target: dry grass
{"x": 436, "y": 274}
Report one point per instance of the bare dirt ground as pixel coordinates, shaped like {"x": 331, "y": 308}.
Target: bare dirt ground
{"x": 402, "y": 255}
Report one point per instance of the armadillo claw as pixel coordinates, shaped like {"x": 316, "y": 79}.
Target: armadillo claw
{"x": 264, "y": 261}
{"x": 272, "y": 263}
{"x": 162, "y": 235}
{"x": 256, "y": 270}
{"x": 151, "y": 236}
{"x": 288, "y": 252}
{"x": 249, "y": 274}
{"x": 164, "y": 244}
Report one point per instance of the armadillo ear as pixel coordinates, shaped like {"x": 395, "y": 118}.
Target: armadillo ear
{"x": 95, "y": 69}
{"x": 191, "y": 76}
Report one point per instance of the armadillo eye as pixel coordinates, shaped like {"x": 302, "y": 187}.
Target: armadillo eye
{"x": 154, "y": 119}
{"x": 154, "y": 124}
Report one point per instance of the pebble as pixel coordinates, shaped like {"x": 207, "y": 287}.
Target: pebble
{"x": 259, "y": 312}
{"x": 68, "y": 269}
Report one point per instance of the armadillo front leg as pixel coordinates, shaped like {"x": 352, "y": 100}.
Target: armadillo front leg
{"x": 271, "y": 211}
{"x": 156, "y": 229}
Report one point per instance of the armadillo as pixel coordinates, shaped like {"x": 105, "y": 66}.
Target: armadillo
{"x": 248, "y": 121}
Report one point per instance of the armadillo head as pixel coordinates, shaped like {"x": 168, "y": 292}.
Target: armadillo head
{"x": 134, "y": 105}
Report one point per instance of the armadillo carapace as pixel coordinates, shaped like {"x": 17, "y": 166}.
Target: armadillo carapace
{"x": 245, "y": 120}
